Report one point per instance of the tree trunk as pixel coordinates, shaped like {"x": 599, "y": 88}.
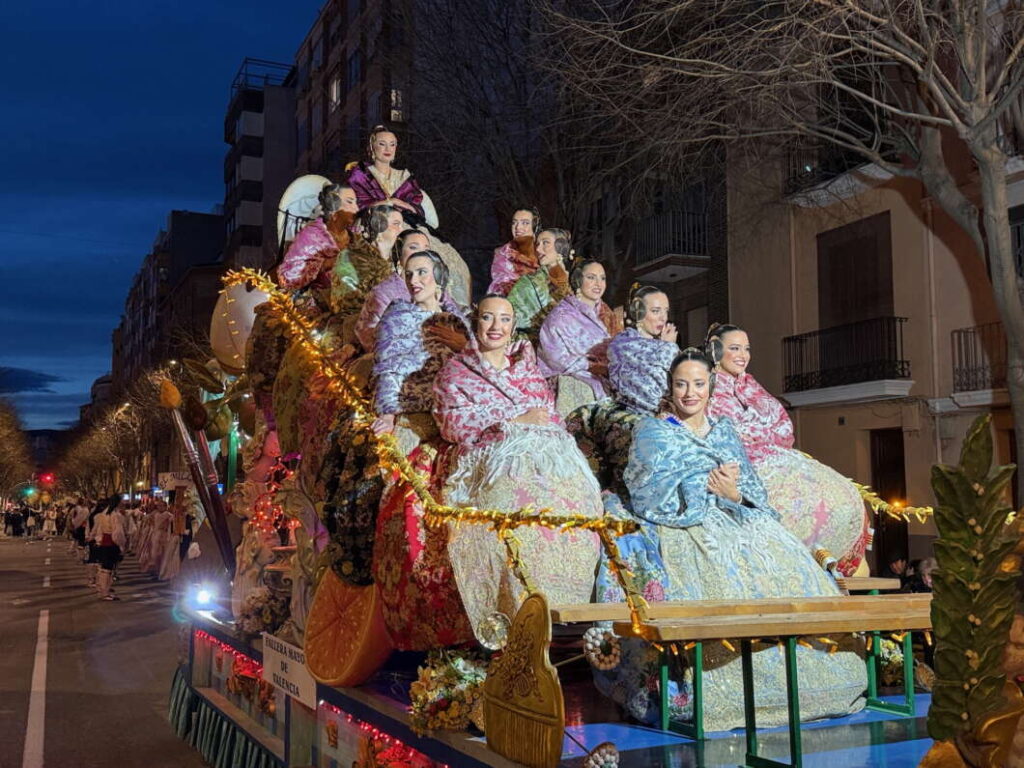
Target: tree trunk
{"x": 996, "y": 224}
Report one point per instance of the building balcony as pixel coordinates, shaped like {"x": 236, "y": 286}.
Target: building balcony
{"x": 671, "y": 246}
{"x": 980, "y": 365}
{"x": 809, "y": 164}
{"x": 856, "y": 362}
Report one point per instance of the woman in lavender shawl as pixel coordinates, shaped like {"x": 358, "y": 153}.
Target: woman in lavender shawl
{"x": 574, "y": 338}
{"x": 421, "y": 604}
{"x": 392, "y": 289}
{"x": 639, "y": 359}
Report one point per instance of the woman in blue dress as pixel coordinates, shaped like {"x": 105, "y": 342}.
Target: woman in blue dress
{"x": 689, "y": 478}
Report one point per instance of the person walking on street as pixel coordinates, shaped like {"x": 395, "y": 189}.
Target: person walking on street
{"x": 109, "y": 538}
{"x": 79, "y": 519}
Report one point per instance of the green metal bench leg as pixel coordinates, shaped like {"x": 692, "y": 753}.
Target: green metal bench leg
{"x": 749, "y": 710}
{"x": 663, "y": 689}
{"x": 698, "y": 691}
{"x": 753, "y": 760}
{"x": 796, "y": 753}
{"x": 696, "y": 730}
{"x": 872, "y": 657}
{"x": 907, "y": 708}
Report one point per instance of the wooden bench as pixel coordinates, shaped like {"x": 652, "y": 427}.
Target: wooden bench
{"x": 872, "y": 584}
{"x": 588, "y": 613}
{"x": 788, "y": 620}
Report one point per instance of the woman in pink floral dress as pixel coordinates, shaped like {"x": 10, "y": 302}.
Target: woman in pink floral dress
{"x": 817, "y": 504}
{"x": 513, "y": 450}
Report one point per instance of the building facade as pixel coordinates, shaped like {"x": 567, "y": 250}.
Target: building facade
{"x": 260, "y": 162}
{"x": 872, "y": 314}
{"x": 171, "y": 297}
{"x": 351, "y": 73}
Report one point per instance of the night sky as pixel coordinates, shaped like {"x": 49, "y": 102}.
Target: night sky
{"x": 112, "y": 116}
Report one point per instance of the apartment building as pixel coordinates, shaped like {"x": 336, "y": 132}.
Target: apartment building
{"x": 351, "y": 73}
{"x": 260, "y": 162}
{"x": 871, "y": 313}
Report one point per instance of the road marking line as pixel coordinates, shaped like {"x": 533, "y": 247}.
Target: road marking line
{"x": 35, "y": 728}
{"x": 47, "y": 561}
{"x": 46, "y": 581}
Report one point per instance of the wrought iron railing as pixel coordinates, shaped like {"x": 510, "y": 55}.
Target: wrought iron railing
{"x": 979, "y": 357}
{"x": 869, "y": 350}
{"x": 809, "y": 164}
{"x": 679, "y": 233}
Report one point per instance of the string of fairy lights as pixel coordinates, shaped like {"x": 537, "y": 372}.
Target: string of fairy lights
{"x": 302, "y": 330}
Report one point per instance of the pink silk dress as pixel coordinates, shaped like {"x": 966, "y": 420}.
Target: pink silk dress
{"x": 817, "y": 504}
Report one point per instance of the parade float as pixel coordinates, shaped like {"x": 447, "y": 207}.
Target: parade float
{"x": 321, "y": 646}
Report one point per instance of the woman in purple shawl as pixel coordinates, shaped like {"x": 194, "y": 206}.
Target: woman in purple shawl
{"x": 376, "y": 182}
{"x": 574, "y": 338}
{"x": 392, "y": 289}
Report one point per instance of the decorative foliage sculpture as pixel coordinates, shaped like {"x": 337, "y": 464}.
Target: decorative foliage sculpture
{"x": 974, "y": 707}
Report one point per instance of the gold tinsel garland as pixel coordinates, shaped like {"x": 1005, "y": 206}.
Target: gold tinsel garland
{"x": 302, "y": 331}
{"x": 879, "y": 505}
{"x": 899, "y": 511}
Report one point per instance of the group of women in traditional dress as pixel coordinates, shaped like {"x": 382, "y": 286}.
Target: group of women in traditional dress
{"x": 540, "y": 396}
{"x": 100, "y": 535}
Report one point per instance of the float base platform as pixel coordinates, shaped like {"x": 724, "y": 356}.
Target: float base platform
{"x": 351, "y": 727}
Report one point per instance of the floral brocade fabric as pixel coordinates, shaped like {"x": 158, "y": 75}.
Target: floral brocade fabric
{"x": 351, "y": 479}
{"x": 573, "y": 339}
{"x": 506, "y": 465}
{"x": 531, "y": 466}
{"x": 815, "y": 503}
{"x": 638, "y": 370}
{"x": 714, "y": 549}
{"x": 422, "y": 607}
{"x": 407, "y": 358}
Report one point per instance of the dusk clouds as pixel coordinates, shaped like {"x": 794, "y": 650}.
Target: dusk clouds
{"x": 115, "y": 117}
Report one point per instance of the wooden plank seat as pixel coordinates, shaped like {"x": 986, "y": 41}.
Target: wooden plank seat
{"x": 591, "y": 612}
{"x": 713, "y": 620}
{"x": 872, "y": 584}
{"x": 787, "y": 619}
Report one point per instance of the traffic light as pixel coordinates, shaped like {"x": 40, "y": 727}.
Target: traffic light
{"x": 46, "y": 478}
{"x": 30, "y": 492}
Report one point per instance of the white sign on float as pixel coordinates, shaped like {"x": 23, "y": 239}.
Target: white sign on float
{"x": 284, "y": 667}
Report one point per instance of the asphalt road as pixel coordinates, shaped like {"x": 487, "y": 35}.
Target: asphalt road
{"x": 108, "y": 665}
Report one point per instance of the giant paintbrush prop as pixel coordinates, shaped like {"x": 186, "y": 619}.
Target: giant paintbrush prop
{"x": 204, "y": 481}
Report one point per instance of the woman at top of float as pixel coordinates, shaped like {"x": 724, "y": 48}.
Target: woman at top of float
{"x": 817, "y": 504}
{"x": 376, "y": 182}
{"x": 573, "y": 351}
{"x": 516, "y": 257}
{"x": 689, "y": 476}
{"x": 421, "y": 604}
{"x": 638, "y": 358}
{"x": 545, "y": 281}
{"x": 492, "y": 402}
{"x": 392, "y": 289}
